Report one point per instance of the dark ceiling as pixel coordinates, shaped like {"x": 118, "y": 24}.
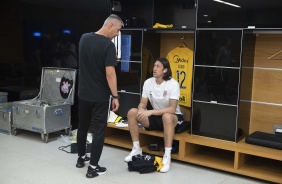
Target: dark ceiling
{"x": 250, "y": 10}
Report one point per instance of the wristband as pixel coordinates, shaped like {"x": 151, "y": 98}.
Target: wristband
{"x": 116, "y": 97}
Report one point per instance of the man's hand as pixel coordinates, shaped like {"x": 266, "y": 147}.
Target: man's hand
{"x": 115, "y": 104}
{"x": 143, "y": 113}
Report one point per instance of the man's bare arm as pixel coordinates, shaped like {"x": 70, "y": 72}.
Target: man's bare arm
{"x": 143, "y": 104}
{"x": 171, "y": 109}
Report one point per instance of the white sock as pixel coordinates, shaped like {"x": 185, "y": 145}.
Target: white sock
{"x": 94, "y": 167}
{"x": 168, "y": 151}
{"x": 136, "y": 145}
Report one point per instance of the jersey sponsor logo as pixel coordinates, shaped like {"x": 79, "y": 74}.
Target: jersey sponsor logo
{"x": 183, "y": 98}
{"x": 177, "y": 59}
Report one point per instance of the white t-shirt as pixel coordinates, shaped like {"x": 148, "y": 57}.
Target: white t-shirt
{"x": 159, "y": 94}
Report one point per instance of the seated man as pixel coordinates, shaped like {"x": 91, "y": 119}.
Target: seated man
{"x": 163, "y": 93}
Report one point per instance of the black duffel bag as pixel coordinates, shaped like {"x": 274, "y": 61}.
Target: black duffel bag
{"x": 143, "y": 164}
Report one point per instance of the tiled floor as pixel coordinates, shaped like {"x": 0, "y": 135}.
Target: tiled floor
{"x": 25, "y": 159}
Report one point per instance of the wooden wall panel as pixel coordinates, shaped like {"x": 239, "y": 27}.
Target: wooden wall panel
{"x": 248, "y": 50}
{"x": 266, "y": 46}
{"x": 264, "y": 117}
{"x": 244, "y": 117}
{"x": 262, "y": 84}
{"x": 171, "y": 40}
{"x": 267, "y": 86}
{"x": 246, "y": 84}
{"x": 186, "y": 112}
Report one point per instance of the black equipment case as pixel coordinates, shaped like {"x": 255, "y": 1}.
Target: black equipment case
{"x": 265, "y": 139}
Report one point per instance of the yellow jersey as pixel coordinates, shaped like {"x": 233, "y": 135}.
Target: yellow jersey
{"x": 181, "y": 63}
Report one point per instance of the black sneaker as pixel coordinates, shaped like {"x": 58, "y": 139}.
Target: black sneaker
{"x": 91, "y": 173}
{"x": 81, "y": 162}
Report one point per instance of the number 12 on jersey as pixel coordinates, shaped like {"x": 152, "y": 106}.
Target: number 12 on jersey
{"x": 180, "y": 77}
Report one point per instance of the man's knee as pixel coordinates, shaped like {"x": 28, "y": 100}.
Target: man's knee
{"x": 132, "y": 112}
{"x": 169, "y": 119}
{"x": 167, "y": 116}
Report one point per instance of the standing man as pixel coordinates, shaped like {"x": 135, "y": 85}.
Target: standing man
{"x": 163, "y": 93}
{"x": 97, "y": 83}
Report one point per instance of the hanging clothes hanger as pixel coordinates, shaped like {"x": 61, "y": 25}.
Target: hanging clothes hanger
{"x": 273, "y": 55}
{"x": 182, "y": 43}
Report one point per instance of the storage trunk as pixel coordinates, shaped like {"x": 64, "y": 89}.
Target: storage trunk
{"x": 5, "y": 118}
{"x": 17, "y": 93}
{"x": 51, "y": 110}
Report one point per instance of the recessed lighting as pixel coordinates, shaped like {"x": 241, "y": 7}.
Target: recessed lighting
{"x": 205, "y": 15}
{"x": 37, "y": 34}
{"x": 209, "y": 21}
{"x": 67, "y": 31}
{"x": 227, "y": 3}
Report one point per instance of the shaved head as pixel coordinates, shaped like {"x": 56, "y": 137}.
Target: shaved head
{"x": 113, "y": 19}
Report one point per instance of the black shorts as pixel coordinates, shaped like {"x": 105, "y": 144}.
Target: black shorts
{"x": 156, "y": 122}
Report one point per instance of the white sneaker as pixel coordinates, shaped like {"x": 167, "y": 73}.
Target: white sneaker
{"x": 133, "y": 153}
{"x": 166, "y": 162}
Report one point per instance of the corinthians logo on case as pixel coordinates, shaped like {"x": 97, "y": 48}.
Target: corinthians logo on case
{"x": 65, "y": 87}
